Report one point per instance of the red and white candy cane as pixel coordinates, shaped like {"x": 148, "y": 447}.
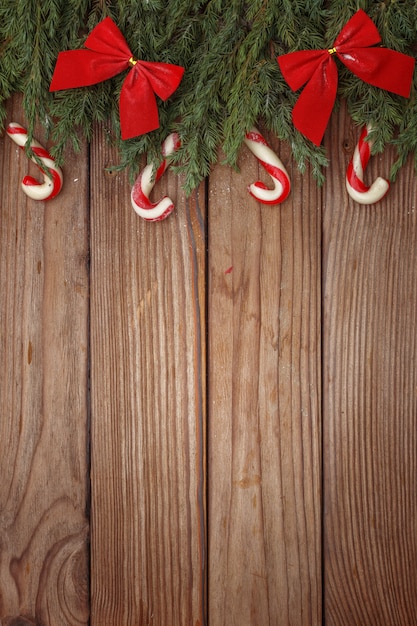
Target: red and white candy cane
{"x": 141, "y": 190}
{"x": 355, "y": 186}
{"x": 53, "y": 182}
{"x": 273, "y": 165}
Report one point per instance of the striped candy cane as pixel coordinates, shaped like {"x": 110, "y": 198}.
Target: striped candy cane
{"x": 32, "y": 188}
{"x": 141, "y": 190}
{"x": 355, "y": 186}
{"x": 273, "y": 165}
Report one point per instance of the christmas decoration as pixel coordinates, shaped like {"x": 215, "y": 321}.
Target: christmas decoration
{"x": 273, "y": 165}
{"x": 141, "y": 190}
{"x": 316, "y": 69}
{"x": 52, "y": 174}
{"x": 355, "y": 185}
{"x": 107, "y": 54}
{"x": 231, "y": 83}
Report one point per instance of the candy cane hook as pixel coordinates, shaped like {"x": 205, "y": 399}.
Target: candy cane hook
{"x": 273, "y": 165}
{"x": 141, "y": 190}
{"x": 355, "y": 186}
{"x": 32, "y": 188}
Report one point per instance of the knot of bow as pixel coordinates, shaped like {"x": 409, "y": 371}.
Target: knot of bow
{"x": 317, "y": 70}
{"x": 108, "y": 54}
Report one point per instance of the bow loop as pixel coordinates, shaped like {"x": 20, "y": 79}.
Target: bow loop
{"x": 358, "y": 32}
{"x": 164, "y": 77}
{"x": 299, "y": 67}
{"x": 106, "y": 38}
{"x": 106, "y": 55}
{"x": 316, "y": 70}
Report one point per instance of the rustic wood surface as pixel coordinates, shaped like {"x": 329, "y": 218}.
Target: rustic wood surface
{"x": 264, "y": 396}
{"x": 369, "y": 396}
{"x": 44, "y": 290}
{"x": 244, "y": 378}
{"x": 148, "y": 404}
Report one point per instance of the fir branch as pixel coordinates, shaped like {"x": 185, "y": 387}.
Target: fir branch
{"x": 232, "y": 80}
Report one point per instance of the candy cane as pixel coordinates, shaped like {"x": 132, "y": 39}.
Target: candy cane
{"x": 355, "y": 186}
{"x": 273, "y": 165}
{"x": 32, "y": 188}
{"x": 154, "y": 212}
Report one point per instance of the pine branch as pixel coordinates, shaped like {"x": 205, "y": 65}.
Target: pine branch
{"x": 231, "y": 83}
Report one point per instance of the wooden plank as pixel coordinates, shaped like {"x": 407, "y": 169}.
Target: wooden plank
{"x": 264, "y": 402}
{"x": 43, "y": 394}
{"x": 148, "y": 404}
{"x": 369, "y": 397}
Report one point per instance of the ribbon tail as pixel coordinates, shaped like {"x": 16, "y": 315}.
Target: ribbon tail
{"x": 313, "y": 108}
{"x": 381, "y": 67}
{"x": 138, "y": 107}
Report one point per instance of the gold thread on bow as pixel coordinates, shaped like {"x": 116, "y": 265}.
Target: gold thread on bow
{"x": 132, "y": 61}
{"x": 332, "y": 50}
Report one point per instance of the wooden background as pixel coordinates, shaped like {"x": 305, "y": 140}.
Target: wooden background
{"x": 210, "y": 421}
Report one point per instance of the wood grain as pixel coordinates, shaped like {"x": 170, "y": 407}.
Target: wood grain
{"x": 148, "y": 405}
{"x": 369, "y": 397}
{"x": 264, "y": 402}
{"x": 309, "y": 315}
{"x": 43, "y": 394}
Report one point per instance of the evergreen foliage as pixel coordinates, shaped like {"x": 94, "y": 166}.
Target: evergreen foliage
{"x": 231, "y": 82}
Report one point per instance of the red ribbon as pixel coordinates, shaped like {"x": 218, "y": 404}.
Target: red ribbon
{"x": 107, "y": 55}
{"x": 317, "y": 70}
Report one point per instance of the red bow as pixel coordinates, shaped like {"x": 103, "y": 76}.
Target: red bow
{"x": 108, "y": 54}
{"x": 317, "y": 70}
